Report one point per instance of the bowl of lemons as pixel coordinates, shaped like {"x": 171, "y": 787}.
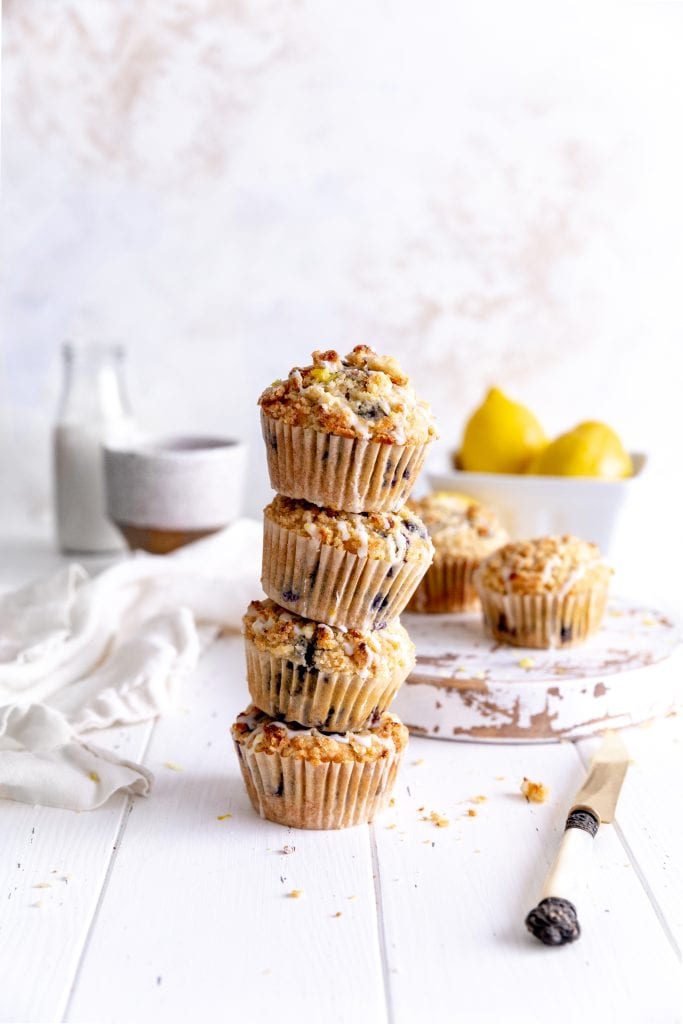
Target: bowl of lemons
{"x": 578, "y": 482}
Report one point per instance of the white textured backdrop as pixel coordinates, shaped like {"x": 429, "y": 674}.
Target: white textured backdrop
{"x": 490, "y": 191}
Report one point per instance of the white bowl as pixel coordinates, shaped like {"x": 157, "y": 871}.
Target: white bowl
{"x": 537, "y": 506}
{"x": 177, "y": 483}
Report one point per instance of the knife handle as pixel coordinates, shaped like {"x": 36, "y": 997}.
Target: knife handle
{"x": 554, "y": 920}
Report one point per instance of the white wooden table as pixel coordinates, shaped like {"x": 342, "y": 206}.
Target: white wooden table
{"x": 175, "y": 908}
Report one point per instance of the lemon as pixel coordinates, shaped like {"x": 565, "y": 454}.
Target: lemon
{"x": 501, "y": 436}
{"x": 591, "y": 449}
{"x": 465, "y": 499}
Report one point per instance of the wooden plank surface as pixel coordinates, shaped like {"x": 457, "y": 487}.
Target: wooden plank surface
{"x": 648, "y": 817}
{"x": 455, "y": 899}
{"x": 53, "y": 867}
{"x": 197, "y": 922}
{"x": 191, "y": 918}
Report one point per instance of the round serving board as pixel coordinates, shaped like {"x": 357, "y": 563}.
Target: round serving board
{"x": 465, "y": 686}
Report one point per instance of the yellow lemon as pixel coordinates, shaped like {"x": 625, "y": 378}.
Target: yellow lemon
{"x": 501, "y": 436}
{"x": 465, "y": 499}
{"x": 591, "y": 449}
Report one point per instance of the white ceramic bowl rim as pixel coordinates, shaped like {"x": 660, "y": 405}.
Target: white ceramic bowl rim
{"x": 178, "y": 446}
{"x": 525, "y": 479}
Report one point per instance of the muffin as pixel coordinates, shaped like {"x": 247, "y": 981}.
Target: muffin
{"x": 463, "y": 532}
{"x": 350, "y": 569}
{"x": 319, "y": 675}
{"x": 306, "y": 779}
{"x": 346, "y": 433}
{"x": 547, "y": 592}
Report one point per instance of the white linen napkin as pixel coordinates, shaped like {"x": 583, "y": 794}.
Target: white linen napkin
{"x": 78, "y": 654}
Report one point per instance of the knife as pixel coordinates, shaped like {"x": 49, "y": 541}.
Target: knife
{"x": 554, "y": 921}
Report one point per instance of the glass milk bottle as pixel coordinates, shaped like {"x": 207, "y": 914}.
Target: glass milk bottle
{"x": 93, "y": 410}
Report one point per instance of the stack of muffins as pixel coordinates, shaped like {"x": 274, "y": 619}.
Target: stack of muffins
{"x": 342, "y": 555}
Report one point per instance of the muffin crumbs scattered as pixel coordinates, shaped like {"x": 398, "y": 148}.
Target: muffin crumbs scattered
{"x": 295, "y": 894}
{"x": 173, "y": 766}
{"x": 223, "y": 817}
{"x": 93, "y": 776}
{"x": 535, "y": 792}
{"x": 471, "y": 813}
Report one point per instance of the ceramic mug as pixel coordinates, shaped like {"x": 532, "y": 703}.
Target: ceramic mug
{"x": 165, "y": 492}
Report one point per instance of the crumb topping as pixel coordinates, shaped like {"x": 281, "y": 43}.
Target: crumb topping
{"x": 327, "y": 648}
{"x": 362, "y": 394}
{"x": 390, "y": 536}
{"x": 459, "y": 525}
{"x": 259, "y": 732}
{"x": 545, "y": 565}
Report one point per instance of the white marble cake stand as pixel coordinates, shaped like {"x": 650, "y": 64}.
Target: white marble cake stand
{"x": 465, "y": 686}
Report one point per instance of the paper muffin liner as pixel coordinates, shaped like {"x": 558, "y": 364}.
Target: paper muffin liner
{"x": 543, "y": 620}
{"x": 293, "y": 791}
{"x": 330, "y": 701}
{"x": 341, "y": 473}
{"x": 327, "y": 584}
{"x": 447, "y": 586}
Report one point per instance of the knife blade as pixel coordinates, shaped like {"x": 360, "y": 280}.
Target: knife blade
{"x": 554, "y": 921}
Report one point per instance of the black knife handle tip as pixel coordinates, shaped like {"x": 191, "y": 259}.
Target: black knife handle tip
{"x": 554, "y": 921}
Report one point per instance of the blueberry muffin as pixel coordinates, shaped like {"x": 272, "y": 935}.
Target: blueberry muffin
{"x": 546, "y": 592}
{"x": 349, "y": 569}
{"x": 346, "y": 433}
{"x": 319, "y": 675}
{"x": 462, "y": 532}
{"x": 307, "y": 779}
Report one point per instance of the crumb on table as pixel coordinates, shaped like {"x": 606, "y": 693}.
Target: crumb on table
{"x": 437, "y": 819}
{"x": 295, "y": 894}
{"x": 535, "y": 792}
